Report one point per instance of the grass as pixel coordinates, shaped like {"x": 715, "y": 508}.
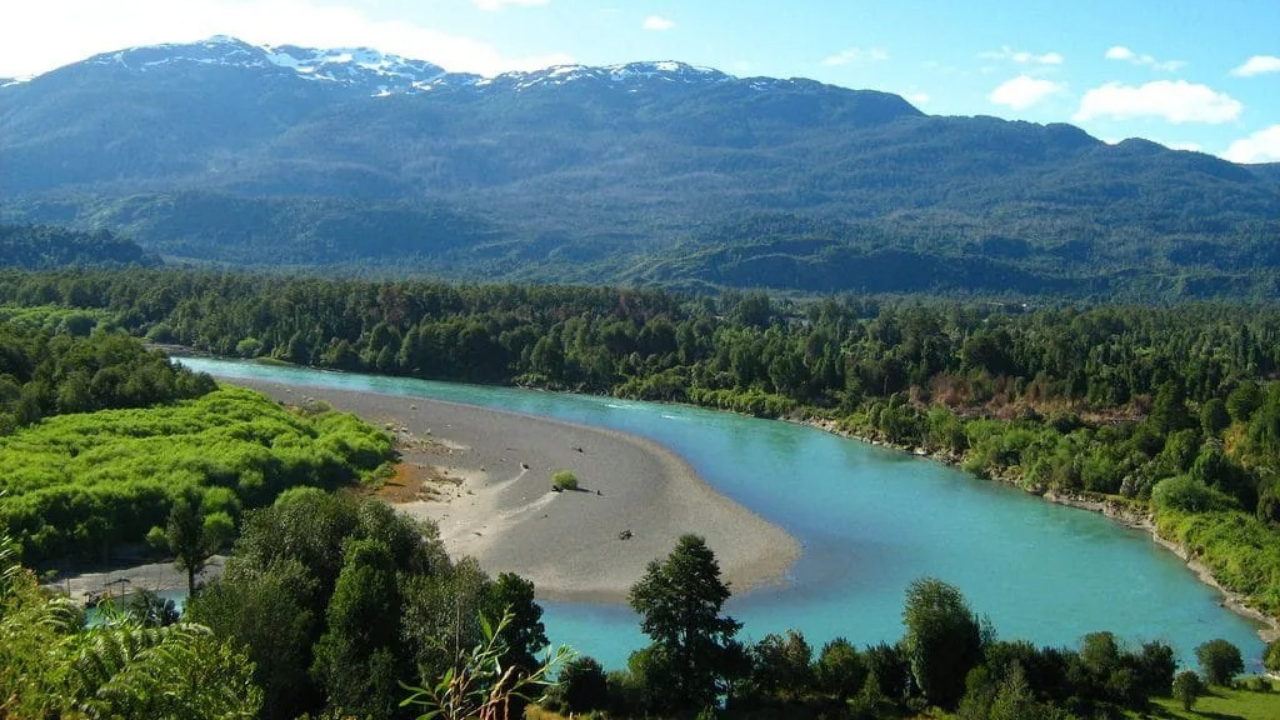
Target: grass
{"x": 1222, "y": 703}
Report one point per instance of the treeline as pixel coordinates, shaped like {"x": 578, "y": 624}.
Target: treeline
{"x": 337, "y": 607}
{"x": 43, "y": 247}
{"x": 99, "y": 436}
{"x": 71, "y": 369}
{"x": 948, "y": 658}
{"x": 1168, "y": 407}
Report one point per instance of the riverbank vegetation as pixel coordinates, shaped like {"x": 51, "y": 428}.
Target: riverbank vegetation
{"x": 1165, "y": 410}
{"x": 102, "y": 440}
{"x": 333, "y": 606}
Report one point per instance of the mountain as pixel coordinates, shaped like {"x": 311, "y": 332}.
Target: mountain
{"x": 653, "y": 172}
{"x": 1269, "y": 172}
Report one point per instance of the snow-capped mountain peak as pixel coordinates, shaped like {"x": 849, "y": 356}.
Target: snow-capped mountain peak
{"x": 370, "y": 71}
{"x": 365, "y": 66}
{"x": 630, "y": 75}
{"x": 363, "y": 69}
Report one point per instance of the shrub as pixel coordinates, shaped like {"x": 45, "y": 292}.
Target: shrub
{"x": 564, "y": 480}
{"x": 1271, "y": 660}
{"x": 1220, "y": 661}
{"x": 1187, "y": 495}
{"x": 1186, "y": 688}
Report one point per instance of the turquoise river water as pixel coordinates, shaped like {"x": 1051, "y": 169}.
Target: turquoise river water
{"x": 869, "y": 521}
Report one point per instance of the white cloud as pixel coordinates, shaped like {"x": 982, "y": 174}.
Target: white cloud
{"x": 491, "y": 5}
{"x": 1262, "y": 146}
{"x": 1023, "y": 57}
{"x": 1258, "y": 65}
{"x": 38, "y": 36}
{"x": 1122, "y": 53}
{"x": 1176, "y": 101}
{"x": 918, "y": 98}
{"x": 1193, "y": 147}
{"x": 658, "y": 23}
{"x": 855, "y": 55}
{"x": 1023, "y": 92}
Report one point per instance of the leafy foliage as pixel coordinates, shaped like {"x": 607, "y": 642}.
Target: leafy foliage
{"x": 78, "y": 485}
{"x": 337, "y": 601}
{"x": 679, "y": 601}
{"x": 943, "y": 640}
{"x": 52, "y": 665}
{"x": 1187, "y": 688}
{"x": 481, "y": 687}
{"x": 1220, "y": 661}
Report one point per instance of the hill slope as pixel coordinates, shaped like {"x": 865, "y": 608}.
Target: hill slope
{"x": 45, "y": 248}
{"x": 646, "y": 172}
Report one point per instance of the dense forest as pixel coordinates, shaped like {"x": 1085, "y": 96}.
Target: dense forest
{"x": 39, "y": 247}
{"x": 1168, "y": 411}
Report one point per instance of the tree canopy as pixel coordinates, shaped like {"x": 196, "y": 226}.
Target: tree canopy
{"x": 679, "y": 601}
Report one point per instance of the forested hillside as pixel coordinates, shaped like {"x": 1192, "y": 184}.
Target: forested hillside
{"x": 34, "y": 247}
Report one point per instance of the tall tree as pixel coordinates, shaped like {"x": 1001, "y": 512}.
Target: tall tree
{"x": 192, "y": 535}
{"x": 679, "y": 601}
{"x": 943, "y": 641}
{"x": 358, "y": 660}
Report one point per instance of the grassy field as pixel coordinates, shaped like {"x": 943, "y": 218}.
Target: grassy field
{"x": 1224, "y": 704}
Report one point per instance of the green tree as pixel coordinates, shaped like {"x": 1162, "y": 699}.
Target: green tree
{"x": 357, "y": 659}
{"x": 266, "y": 611}
{"x": 840, "y": 670}
{"x": 583, "y": 685}
{"x": 1187, "y": 688}
{"x": 478, "y": 686}
{"x": 782, "y": 667}
{"x": 523, "y": 636}
{"x": 1220, "y": 661}
{"x": 943, "y": 641}
{"x": 191, "y": 535}
{"x": 679, "y": 601}
{"x": 1271, "y": 660}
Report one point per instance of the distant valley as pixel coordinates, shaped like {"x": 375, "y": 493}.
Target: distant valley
{"x": 648, "y": 173}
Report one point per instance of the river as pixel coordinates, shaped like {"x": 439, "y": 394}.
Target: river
{"x": 869, "y": 520}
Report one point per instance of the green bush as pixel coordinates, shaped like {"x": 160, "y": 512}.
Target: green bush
{"x": 564, "y": 480}
{"x": 78, "y": 485}
{"x": 1188, "y": 495}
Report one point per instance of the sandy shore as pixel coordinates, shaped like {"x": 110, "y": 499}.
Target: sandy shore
{"x": 485, "y": 478}
{"x": 156, "y": 577}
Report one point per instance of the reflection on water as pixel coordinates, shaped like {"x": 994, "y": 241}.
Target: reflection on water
{"x": 869, "y": 521}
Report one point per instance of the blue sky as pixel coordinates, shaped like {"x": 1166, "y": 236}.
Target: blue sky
{"x": 1194, "y": 74}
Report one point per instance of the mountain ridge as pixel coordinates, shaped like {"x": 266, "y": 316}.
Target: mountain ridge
{"x": 641, "y": 172}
